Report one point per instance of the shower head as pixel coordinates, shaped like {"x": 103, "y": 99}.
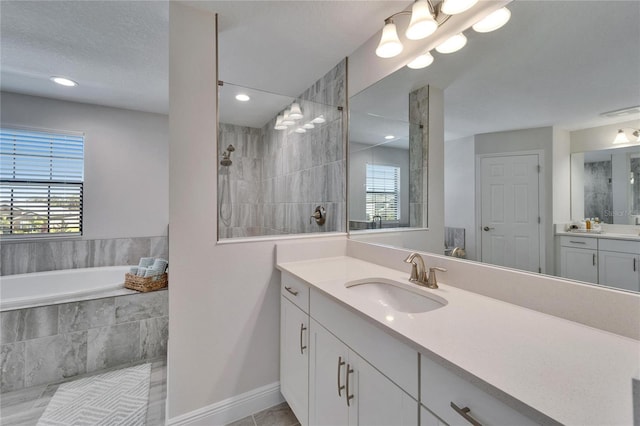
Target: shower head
{"x": 225, "y": 162}
{"x": 230, "y": 148}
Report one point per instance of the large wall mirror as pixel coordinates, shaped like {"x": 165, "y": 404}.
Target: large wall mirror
{"x": 529, "y": 109}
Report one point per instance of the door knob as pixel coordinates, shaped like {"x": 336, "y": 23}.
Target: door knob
{"x": 486, "y": 228}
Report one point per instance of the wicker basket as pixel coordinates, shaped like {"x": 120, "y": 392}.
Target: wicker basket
{"x": 146, "y": 284}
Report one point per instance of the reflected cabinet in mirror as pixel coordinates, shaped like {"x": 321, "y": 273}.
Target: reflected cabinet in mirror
{"x": 281, "y": 160}
{"x": 532, "y": 177}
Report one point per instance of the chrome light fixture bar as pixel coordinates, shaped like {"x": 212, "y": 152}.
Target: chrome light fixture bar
{"x": 425, "y": 20}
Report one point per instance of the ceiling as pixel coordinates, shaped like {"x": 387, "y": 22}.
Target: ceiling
{"x": 556, "y": 63}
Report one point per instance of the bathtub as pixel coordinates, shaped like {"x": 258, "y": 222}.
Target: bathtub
{"x": 52, "y": 287}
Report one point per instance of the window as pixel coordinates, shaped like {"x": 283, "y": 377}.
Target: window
{"x": 383, "y": 192}
{"x": 41, "y": 183}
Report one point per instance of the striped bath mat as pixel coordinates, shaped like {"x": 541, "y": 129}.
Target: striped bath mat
{"x": 116, "y": 398}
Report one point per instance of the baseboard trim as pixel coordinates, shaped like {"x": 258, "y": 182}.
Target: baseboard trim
{"x": 231, "y": 409}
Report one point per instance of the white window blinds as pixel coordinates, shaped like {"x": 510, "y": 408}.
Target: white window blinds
{"x": 41, "y": 183}
{"x": 383, "y": 192}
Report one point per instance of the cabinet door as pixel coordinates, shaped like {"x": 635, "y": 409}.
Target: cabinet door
{"x": 428, "y": 419}
{"x": 294, "y": 358}
{"x": 327, "y": 375}
{"x": 377, "y": 401}
{"x": 619, "y": 270}
{"x": 579, "y": 264}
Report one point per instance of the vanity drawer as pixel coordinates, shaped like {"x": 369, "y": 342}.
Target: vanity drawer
{"x": 295, "y": 290}
{"x": 441, "y": 389}
{"x": 620, "y": 246}
{"x": 579, "y": 242}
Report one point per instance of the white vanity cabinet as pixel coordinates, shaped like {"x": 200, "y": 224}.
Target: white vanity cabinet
{"x": 458, "y": 402}
{"x": 619, "y": 264}
{"x": 579, "y": 258}
{"x": 344, "y": 389}
{"x": 294, "y": 346}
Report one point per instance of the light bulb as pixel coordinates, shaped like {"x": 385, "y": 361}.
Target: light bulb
{"x": 421, "y": 61}
{"x": 389, "y": 45}
{"x": 295, "y": 113}
{"x": 242, "y": 97}
{"x": 286, "y": 120}
{"x": 453, "y": 7}
{"x": 621, "y": 137}
{"x": 453, "y": 44}
{"x": 279, "y": 125}
{"x": 422, "y": 24}
{"x": 308, "y": 126}
{"x": 493, "y": 21}
{"x": 319, "y": 119}
{"x": 300, "y": 130}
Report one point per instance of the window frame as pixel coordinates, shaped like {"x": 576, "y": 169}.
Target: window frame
{"x": 397, "y": 183}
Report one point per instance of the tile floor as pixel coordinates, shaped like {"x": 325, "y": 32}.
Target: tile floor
{"x": 280, "y": 415}
{"x": 24, "y": 407}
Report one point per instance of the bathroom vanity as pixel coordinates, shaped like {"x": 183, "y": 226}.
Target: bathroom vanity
{"x": 360, "y": 344}
{"x": 607, "y": 259}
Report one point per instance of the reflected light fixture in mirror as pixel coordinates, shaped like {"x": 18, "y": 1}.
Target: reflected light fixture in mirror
{"x": 295, "y": 113}
{"x": 279, "y": 125}
{"x": 286, "y": 119}
{"x": 421, "y": 61}
{"x": 242, "y": 97}
{"x": 63, "y": 81}
{"x": 493, "y": 21}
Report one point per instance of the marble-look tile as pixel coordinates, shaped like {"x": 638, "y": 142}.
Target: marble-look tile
{"x": 111, "y": 346}
{"x": 141, "y": 306}
{"x": 88, "y": 314}
{"x": 280, "y": 415}
{"x": 57, "y": 255}
{"x": 247, "y": 421}
{"x": 336, "y": 182}
{"x": 159, "y": 247}
{"x": 153, "y": 337}
{"x": 415, "y": 186}
{"x": 415, "y": 215}
{"x": 17, "y": 258}
{"x": 23, "y": 398}
{"x": 30, "y": 323}
{"x": 119, "y": 251}
{"x": 12, "y": 366}
{"x": 53, "y": 358}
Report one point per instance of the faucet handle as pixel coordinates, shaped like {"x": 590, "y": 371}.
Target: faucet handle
{"x": 432, "y": 281}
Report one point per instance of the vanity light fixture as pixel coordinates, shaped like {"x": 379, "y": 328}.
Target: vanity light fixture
{"x": 279, "y": 125}
{"x": 453, "y": 7}
{"x": 295, "y": 113}
{"x": 452, "y": 44}
{"x": 319, "y": 119}
{"x": 63, "y": 81}
{"x": 422, "y": 23}
{"x": 389, "y": 45}
{"x": 300, "y": 130}
{"x": 286, "y": 119}
{"x": 493, "y": 21}
{"x": 242, "y": 97}
{"x": 308, "y": 126}
{"x": 621, "y": 137}
{"x": 421, "y": 61}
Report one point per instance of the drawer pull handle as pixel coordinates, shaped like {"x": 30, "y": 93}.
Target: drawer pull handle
{"x": 349, "y": 397}
{"x": 594, "y": 259}
{"x": 340, "y": 387}
{"x": 295, "y": 293}
{"x": 577, "y": 242}
{"x": 302, "y": 348}
{"x": 464, "y": 412}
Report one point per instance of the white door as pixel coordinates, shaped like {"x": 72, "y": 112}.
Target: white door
{"x": 510, "y": 211}
{"x": 294, "y": 358}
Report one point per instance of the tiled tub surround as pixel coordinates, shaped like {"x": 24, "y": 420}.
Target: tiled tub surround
{"x": 36, "y": 256}
{"x": 279, "y": 177}
{"x": 50, "y": 343}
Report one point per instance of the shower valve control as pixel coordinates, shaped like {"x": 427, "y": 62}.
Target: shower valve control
{"x": 319, "y": 215}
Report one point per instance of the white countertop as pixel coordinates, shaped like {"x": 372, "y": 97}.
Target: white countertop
{"x": 574, "y": 374}
{"x": 608, "y": 235}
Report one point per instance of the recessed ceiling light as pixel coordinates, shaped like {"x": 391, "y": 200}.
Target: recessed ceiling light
{"x": 389, "y": 137}
{"x": 63, "y": 81}
{"x": 242, "y": 97}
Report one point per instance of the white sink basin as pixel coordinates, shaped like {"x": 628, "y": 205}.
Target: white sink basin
{"x": 395, "y": 295}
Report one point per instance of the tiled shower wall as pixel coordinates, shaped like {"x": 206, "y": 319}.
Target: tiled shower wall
{"x": 297, "y": 172}
{"x": 598, "y": 194}
{"x": 52, "y": 343}
{"x": 37, "y": 256}
{"x": 418, "y": 156}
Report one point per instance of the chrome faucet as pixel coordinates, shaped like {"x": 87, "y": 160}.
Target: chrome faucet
{"x": 419, "y": 273}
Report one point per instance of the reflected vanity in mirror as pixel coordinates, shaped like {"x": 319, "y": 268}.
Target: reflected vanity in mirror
{"x": 520, "y": 107}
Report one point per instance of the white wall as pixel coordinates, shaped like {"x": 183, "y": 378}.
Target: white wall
{"x": 459, "y": 189}
{"x": 359, "y": 156}
{"x": 601, "y": 137}
{"x": 126, "y": 161}
{"x": 561, "y": 187}
{"x": 577, "y": 186}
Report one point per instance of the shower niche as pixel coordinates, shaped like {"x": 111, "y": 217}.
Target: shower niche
{"x": 279, "y": 159}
